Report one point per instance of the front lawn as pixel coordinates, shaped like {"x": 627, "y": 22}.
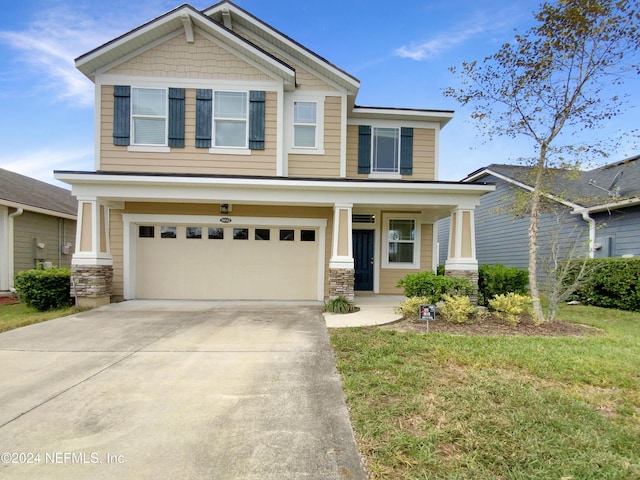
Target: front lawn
{"x": 442, "y": 406}
{"x": 19, "y": 315}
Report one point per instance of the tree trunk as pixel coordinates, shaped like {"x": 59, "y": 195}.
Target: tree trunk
{"x": 536, "y": 199}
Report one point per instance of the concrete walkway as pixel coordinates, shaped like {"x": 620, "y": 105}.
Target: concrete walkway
{"x": 374, "y": 310}
{"x": 173, "y": 390}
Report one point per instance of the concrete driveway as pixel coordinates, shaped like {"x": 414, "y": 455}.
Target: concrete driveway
{"x": 175, "y": 390}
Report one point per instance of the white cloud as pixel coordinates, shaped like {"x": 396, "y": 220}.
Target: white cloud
{"x": 431, "y": 48}
{"x": 40, "y": 164}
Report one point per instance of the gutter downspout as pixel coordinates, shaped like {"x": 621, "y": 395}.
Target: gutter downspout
{"x": 592, "y": 232}
{"x": 11, "y": 216}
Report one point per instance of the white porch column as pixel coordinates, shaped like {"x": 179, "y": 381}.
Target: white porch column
{"x": 92, "y": 264}
{"x": 341, "y": 264}
{"x": 462, "y": 261}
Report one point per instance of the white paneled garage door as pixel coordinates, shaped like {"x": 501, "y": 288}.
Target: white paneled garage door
{"x": 218, "y": 261}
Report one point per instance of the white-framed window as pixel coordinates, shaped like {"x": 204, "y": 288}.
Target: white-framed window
{"x": 401, "y": 248}
{"x": 385, "y": 150}
{"x": 305, "y": 121}
{"x": 230, "y": 115}
{"x": 149, "y": 116}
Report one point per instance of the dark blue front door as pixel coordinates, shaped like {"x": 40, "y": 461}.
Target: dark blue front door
{"x": 363, "y": 259}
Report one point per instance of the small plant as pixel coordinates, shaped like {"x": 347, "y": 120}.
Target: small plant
{"x": 431, "y": 286}
{"x": 339, "y": 305}
{"x": 456, "y": 309}
{"x": 409, "y": 308}
{"x": 511, "y": 307}
{"x": 44, "y": 289}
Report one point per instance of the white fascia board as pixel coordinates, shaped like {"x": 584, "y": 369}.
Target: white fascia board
{"x": 524, "y": 186}
{"x": 362, "y": 115}
{"x": 272, "y": 191}
{"x": 31, "y": 208}
{"x": 629, "y": 202}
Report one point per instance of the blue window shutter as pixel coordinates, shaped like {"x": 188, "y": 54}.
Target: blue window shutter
{"x": 176, "y": 117}
{"x": 121, "y": 114}
{"x": 406, "y": 151}
{"x": 256, "y": 119}
{"x": 203, "y": 117}
{"x": 364, "y": 149}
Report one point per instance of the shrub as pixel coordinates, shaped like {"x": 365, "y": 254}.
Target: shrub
{"x": 511, "y": 307}
{"x": 431, "y": 286}
{"x": 409, "y": 308}
{"x": 339, "y": 305}
{"x": 499, "y": 280}
{"x": 44, "y": 289}
{"x": 611, "y": 283}
{"x": 456, "y": 308}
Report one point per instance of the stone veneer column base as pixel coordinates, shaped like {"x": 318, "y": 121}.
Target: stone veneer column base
{"x": 92, "y": 284}
{"x": 472, "y": 275}
{"x": 341, "y": 283}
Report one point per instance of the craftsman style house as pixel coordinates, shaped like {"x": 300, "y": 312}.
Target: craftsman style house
{"x": 233, "y": 163}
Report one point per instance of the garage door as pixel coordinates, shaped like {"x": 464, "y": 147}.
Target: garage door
{"x": 226, "y": 262}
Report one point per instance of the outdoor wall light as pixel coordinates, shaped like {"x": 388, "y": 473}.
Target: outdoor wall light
{"x": 225, "y": 208}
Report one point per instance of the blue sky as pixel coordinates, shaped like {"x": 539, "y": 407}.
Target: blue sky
{"x": 400, "y": 52}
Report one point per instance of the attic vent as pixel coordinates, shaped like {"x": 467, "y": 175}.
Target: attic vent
{"x": 363, "y": 218}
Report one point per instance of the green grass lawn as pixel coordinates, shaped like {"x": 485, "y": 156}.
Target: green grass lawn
{"x": 19, "y": 315}
{"x": 439, "y": 406}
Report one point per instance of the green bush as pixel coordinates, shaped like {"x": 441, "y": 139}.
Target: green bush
{"x": 339, "y": 305}
{"x": 456, "y": 308}
{"x": 428, "y": 284}
{"x": 499, "y": 280}
{"x": 410, "y": 307}
{"x": 44, "y": 289}
{"x": 611, "y": 283}
{"x": 511, "y": 307}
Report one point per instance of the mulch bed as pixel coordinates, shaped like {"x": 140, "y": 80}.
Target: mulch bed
{"x": 494, "y": 326}
{"x": 8, "y": 300}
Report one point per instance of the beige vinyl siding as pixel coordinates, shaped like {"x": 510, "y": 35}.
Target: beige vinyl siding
{"x": 424, "y": 147}
{"x": 327, "y": 165}
{"x": 116, "y": 226}
{"x": 54, "y": 232}
{"x": 116, "y": 236}
{"x": 200, "y": 59}
{"x": 188, "y": 159}
{"x": 389, "y": 276}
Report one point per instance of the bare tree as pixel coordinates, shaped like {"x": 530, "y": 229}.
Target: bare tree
{"x": 555, "y": 80}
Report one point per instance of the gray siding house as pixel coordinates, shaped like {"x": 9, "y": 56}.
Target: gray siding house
{"x": 594, "y": 212}
{"x": 37, "y": 224}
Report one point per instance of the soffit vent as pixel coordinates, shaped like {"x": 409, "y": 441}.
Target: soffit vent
{"x": 363, "y": 218}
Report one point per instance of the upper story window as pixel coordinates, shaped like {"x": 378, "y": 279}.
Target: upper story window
{"x": 149, "y": 116}
{"x": 305, "y": 124}
{"x": 385, "y": 150}
{"x": 230, "y": 113}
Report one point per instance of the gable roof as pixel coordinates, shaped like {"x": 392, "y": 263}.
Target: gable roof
{"x": 182, "y": 18}
{"x": 578, "y": 189}
{"x": 19, "y": 191}
{"x": 227, "y": 11}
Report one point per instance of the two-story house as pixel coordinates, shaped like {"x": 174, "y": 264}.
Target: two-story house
{"x": 233, "y": 163}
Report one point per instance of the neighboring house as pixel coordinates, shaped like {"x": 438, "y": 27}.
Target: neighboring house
{"x": 586, "y": 211}
{"x": 233, "y": 163}
{"x": 37, "y": 224}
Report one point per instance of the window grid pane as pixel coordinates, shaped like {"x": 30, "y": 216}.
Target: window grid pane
{"x": 304, "y": 136}
{"x": 149, "y": 116}
{"x": 194, "y": 232}
{"x": 230, "y": 112}
{"x": 168, "y": 232}
{"x": 305, "y": 123}
{"x": 386, "y": 142}
{"x": 215, "y": 233}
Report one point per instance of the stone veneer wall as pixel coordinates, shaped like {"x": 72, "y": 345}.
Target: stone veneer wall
{"x": 472, "y": 275}
{"x": 341, "y": 283}
{"x": 92, "y": 284}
